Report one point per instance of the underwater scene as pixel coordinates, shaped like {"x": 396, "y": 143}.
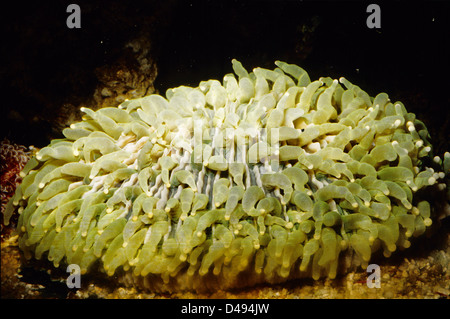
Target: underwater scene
{"x": 226, "y": 150}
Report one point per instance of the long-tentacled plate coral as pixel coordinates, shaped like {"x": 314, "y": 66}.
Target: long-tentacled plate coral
{"x": 263, "y": 177}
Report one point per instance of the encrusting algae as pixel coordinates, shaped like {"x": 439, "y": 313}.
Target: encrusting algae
{"x": 264, "y": 177}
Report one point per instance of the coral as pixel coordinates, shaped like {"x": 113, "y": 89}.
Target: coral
{"x": 265, "y": 177}
{"x": 13, "y": 158}
{"x": 131, "y": 76}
